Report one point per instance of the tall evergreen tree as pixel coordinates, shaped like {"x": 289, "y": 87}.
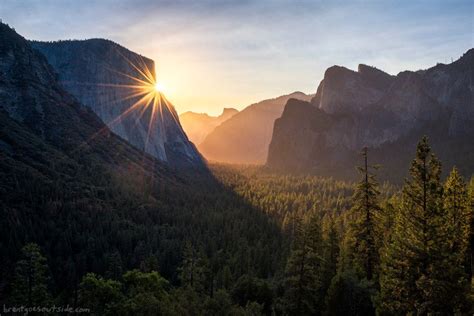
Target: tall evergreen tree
{"x": 363, "y": 230}
{"x": 470, "y": 255}
{"x": 113, "y": 265}
{"x": 303, "y": 269}
{"x": 458, "y": 230}
{"x": 192, "y": 270}
{"x": 330, "y": 256}
{"x": 416, "y": 276}
{"x": 30, "y": 284}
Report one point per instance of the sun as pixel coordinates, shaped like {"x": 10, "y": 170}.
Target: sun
{"x": 159, "y": 87}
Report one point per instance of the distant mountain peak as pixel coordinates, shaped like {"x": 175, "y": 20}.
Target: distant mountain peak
{"x": 244, "y": 138}
{"x": 467, "y": 57}
{"x": 386, "y": 113}
{"x": 229, "y": 111}
{"x": 371, "y": 71}
{"x": 345, "y": 91}
{"x": 198, "y": 125}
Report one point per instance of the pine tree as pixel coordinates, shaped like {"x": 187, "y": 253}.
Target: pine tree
{"x": 113, "y": 265}
{"x": 191, "y": 272}
{"x": 330, "y": 256}
{"x": 457, "y": 225}
{"x": 303, "y": 281}
{"x": 470, "y": 253}
{"x": 416, "y": 277}
{"x": 363, "y": 229}
{"x": 30, "y": 284}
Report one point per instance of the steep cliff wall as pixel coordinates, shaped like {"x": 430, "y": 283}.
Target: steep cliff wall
{"x": 388, "y": 114}
{"x": 106, "y": 77}
{"x": 244, "y": 138}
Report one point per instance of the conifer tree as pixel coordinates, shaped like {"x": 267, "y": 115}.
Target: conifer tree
{"x": 303, "y": 269}
{"x": 416, "y": 275}
{"x": 470, "y": 254}
{"x": 363, "y": 229}
{"x": 113, "y": 265}
{"x": 330, "y": 256}
{"x": 457, "y": 225}
{"x": 30, "y": 284}
{"x": 191, "y": 272}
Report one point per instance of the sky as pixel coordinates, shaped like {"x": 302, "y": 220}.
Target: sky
{"x": 215, "y": 54}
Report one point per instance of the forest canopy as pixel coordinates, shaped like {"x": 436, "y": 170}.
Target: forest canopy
{"x": 246, "y": 241}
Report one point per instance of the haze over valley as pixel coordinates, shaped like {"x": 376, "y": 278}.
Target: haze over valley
{"x": 160, "y": 158}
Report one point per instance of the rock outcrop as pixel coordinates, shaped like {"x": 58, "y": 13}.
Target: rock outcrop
{"x": 244, "y": 138}
{"x": 388, "y": 114}
{"x": 111, "y": 80}
{"x": 45, "y": 129}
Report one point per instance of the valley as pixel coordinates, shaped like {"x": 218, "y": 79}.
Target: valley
{"x": 356, "y": 198}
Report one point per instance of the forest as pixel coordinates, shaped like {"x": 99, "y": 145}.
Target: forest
{"x": 244, "y": 240}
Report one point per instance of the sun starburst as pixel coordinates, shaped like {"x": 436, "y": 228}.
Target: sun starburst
{"x": 147, "y": 96}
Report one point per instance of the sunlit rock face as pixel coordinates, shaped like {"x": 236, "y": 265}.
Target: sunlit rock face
{"x": 347, "y": 91}
{"x": 45, "y": 131}
{"x": 244, "y": 138}
{"x": 388, "y": 114}
{"x": 198, "y": 125}
{"x": 106, "y": 77}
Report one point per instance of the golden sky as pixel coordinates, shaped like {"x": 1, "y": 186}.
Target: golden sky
{"x": 210, "y": 55}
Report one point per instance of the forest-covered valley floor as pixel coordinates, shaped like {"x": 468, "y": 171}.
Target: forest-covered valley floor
{"x": 244, "y": 241}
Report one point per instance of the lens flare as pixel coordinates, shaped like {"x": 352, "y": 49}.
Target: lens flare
{"x": 147, "y": 93}
{"x": 159, "y": 87}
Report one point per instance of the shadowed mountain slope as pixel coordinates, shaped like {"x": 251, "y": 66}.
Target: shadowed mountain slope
{"x": 114, "y": 82}
{"x": 388, "y": 114}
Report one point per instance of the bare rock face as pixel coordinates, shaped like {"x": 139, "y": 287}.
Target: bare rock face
{"x": 198, "y": 125}
{"x": 42, "y": 126}
{"x": 343, "y": 90}
{"x": 388, "y": 114}
{"x": 245, "y": 137}
{"x": 453, "y": 87}
{"x": 114, "y": 82}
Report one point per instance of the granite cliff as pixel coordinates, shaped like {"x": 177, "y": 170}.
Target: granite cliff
{"x": 45, "y": 132}
{"x": 388, "y": 114}
{"x": 244, "y": 138}
{"x": 104, "y": 76}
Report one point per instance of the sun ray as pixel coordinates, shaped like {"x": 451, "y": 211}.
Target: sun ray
{"x": 148, "y": 103}
{"x": 150, "y": 124}
{"x": 143, "y": 82}
{"x": 151, "y": 79}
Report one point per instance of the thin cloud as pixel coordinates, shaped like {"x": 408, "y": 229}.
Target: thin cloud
{"x": 247, "y": 50}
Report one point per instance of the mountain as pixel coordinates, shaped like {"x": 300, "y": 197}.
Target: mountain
{"x": 118, "y": 85}
{"x": 57, "y": 158}
{"x": 198, "y": 125}
{"x": 90, "y": 200}
{"x": 244, "y": 138}
{"x": 31, "y": 96}
{"x": 388, "y": 114}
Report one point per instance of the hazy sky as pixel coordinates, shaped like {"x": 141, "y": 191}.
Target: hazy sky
{"x": 215, "y": 54}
